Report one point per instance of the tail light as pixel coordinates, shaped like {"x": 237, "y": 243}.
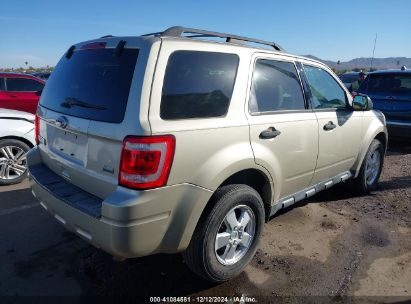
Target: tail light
{"x": 37, "y": 129}
{"x": 146, "y": 161}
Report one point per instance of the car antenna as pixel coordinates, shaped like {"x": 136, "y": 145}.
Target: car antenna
{"x": 373, "y": 51}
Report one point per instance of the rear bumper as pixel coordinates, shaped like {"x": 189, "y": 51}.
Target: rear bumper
{"x": 129, "y": 223}
{"x": 399, "y": 129}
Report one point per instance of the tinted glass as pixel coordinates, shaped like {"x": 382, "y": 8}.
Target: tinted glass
{"x": 392, "y": 84}
{"x": 2, "y": 84}
{"x": 326, "y": 92}
{"x": 92, "y": 84}
{"x": 275, "y": 87}
{"x": 348, "y": 78}
{"x": 23, "y": 85}
{"x": 198, "y": 85}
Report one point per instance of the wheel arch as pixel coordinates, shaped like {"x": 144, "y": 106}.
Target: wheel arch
{"x": 381, "y": 135}
{"x": 22, "y": 139}
{"x": 256, "y": 178}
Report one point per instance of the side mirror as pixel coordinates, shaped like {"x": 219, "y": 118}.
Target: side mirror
{"x": 38, "y": 93}
{"x": 362, "y": 103}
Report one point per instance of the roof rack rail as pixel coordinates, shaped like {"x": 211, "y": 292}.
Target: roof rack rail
{"x": 106, "y": 36}
{"x": 178, "y": 31}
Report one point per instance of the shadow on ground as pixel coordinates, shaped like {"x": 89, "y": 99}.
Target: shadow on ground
{"x": 157, "y": 275}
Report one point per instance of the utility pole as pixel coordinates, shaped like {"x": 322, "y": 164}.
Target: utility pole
{"x": 373, "y": 51}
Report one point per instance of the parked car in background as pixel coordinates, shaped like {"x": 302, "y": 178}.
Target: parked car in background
{"x": 162, "y": 144}
{"x": 390, "y": 91}
{"x": 42, "y": 75}
{"x": 16, "y": 138}
{"x": 348, "y": 78}
{"x": 20, "y": 91}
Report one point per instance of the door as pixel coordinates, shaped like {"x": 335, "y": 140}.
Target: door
{"x": 283, "y": 131}
{"x": 3, "y": 93}
{"x": 340, "y": 127}
{"x": 21, "y": 94}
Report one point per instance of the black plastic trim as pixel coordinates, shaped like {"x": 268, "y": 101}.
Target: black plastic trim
{"x": 65, "y": 191}
{"x": 178, "y": 31}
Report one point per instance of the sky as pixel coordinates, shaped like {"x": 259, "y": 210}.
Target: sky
{"x": 40, "y": 31}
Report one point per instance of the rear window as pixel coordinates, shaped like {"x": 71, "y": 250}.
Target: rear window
{"x": 198, "y": 85}
{"x": 394, "y": 84}
{"x": 92, "y": 84}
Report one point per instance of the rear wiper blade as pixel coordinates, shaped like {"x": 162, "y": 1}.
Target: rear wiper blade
{"x": 71, "y": 101}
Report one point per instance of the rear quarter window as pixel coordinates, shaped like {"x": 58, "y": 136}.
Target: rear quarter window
{"x": 198, "y": 85}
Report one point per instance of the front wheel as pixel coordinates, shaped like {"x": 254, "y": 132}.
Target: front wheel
{"x": 13, "y": 161}
{"x": 226, "y": 238}
{"x": 371, "y": 168}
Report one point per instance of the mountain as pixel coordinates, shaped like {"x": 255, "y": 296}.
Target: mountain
{"x": 365, "y": 62}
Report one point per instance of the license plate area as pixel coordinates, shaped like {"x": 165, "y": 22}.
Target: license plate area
{"x": 69, "y": 145}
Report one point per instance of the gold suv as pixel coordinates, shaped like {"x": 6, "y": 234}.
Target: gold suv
{"x": 189, "y": 140}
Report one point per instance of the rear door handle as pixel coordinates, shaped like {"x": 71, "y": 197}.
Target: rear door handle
{"x": 13, "y": 96}
{"x": 271, "y": 132}
{"x": 329, "y": 126}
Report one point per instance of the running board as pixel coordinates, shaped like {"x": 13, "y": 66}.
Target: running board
{"x": 310, "y": 191}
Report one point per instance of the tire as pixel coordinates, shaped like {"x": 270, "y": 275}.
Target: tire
{"x": 371, "y": 168}
{"x": 223, "y": 264}
{"x": 13, "y": 161}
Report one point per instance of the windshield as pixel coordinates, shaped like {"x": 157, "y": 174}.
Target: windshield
{"x": 348, "y": 78}
{"x": 92, "y": 84}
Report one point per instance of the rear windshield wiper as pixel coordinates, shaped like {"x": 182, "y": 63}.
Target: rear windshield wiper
{"x": 71, "y": 101}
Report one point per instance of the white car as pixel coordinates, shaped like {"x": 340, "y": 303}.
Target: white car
{"x": 16, "y": 138}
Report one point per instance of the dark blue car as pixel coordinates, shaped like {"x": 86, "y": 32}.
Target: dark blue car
{"x": 390, "y": 92}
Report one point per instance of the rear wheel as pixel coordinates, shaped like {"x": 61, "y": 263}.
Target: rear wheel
{"x": 371, "y": 168}
{"x": 13, "y": 161}
{"x": 226, "y": 238}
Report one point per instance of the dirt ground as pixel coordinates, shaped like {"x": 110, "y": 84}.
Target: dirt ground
{"x": 330, "y": 247}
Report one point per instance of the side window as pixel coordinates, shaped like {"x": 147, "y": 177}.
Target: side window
{"x": 23, "y": 85}
{"x": 326, "y": 92}
{"x": 275, "y": 87}
{"x": 198, "y": 85}
{"x": 2, "y": 88}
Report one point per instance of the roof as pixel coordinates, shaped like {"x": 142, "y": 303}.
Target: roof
{"x": 351, "y": 73}
{"x": 14, "y": 74}
{"x": 396, "y": 71}
{"x": 180, "y": 31}
{"x": 20, "y": 75}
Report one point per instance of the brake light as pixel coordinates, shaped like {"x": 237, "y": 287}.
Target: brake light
{"x": 94, "y": 45}
{"x": 37, "y": 129}
{"x": 146, "y": 161}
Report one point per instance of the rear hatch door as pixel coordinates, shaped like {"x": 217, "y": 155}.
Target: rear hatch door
{"x": 89, "y": 105}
